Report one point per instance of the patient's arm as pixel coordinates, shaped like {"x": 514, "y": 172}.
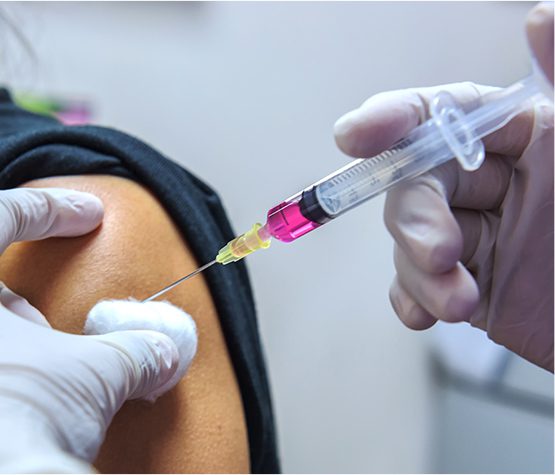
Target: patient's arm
{"x": 197, "y": 427}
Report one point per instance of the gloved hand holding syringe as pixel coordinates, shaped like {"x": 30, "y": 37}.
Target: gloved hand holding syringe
{"x": 449, "y": 133}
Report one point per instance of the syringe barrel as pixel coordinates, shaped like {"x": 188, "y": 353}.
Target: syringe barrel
{"x": 356, "y": 183}
{"x": 367, "y": 178}
{"x": 449, "y": 133}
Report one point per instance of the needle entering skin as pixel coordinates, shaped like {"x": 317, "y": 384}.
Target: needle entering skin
{"x": 177, "y": 282}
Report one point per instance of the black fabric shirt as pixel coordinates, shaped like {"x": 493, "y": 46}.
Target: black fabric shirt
{"x": 34, "y": 146}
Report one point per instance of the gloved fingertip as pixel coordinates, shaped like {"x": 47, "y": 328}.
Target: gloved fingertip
{"x": 88, "y": 209}
{"x": 57, "y": 212}
{"x": 409, "y": 312}
{"x": 376, "y": 125}
{"x": 345, "y": 133}
{"x": 539, "y": 30}
{"x": 419, "y": 319}
{"x": 463, "y": 300}
{"x": 541, "y": 14}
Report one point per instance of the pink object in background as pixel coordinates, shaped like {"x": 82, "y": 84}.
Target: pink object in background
{"x": 76, "y": 114}
{"x": 69, "y": 111}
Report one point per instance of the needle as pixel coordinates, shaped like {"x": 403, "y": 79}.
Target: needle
{"x": 177, "y": 282}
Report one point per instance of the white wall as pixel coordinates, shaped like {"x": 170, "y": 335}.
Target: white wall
{"x": 245, "y": 95}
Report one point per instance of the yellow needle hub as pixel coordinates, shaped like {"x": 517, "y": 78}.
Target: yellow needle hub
{"x": 242, "y": 246}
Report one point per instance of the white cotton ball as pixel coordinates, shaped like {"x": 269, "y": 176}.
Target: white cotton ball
{"x": 115, "y": 315}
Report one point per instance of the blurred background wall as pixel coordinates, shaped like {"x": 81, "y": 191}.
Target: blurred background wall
{"x": 245, "y": 95}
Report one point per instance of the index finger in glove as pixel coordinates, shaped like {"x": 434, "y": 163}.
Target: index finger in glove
{"x": 418, "y": 213}
{"x": 28, "y": 214}
{"x": 452, "y": 296}
{"x": 389, "y": 116}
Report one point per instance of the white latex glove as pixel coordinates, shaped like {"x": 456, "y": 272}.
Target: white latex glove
{"x": 472, "y": 246}
{"x": 59, "y": 392}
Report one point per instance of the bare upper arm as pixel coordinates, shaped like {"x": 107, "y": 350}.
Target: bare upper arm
{"x": 200, "y": 425}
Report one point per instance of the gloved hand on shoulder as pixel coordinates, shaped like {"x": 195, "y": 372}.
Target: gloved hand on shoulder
{"x": 59, "y": 392}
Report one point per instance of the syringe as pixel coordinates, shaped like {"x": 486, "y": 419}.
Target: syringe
{"x": 449, "y": 133}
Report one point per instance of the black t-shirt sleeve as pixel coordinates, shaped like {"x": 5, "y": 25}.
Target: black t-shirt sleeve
{"x": 34, "y": 146}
